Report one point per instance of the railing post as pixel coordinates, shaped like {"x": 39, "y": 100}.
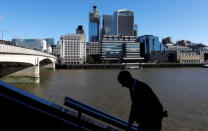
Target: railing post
{"x": 79, "y": 117}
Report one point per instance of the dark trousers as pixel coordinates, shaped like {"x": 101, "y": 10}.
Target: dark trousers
{"x": 150, "y": 125}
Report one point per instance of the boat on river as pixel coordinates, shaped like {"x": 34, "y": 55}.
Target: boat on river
{"x": 132, "y": 67}
{"x": 205, "y": 65}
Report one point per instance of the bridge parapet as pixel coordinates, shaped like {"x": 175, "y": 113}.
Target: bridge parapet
{"x": 21, "y": 50}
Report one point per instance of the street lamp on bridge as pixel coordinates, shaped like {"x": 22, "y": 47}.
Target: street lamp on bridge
{"x": 2, "y": 32}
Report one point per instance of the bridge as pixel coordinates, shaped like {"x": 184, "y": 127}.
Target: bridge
{"x": 18, "y": 62}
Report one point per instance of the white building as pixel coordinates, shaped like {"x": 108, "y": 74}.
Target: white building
{"x": 192, "y": 57}
{"x": 49, "y": 49}
{"x": 56, "y": 49}
{"x": 73, "y": 48}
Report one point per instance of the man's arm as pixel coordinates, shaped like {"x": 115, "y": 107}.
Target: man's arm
{"x": 131, "y": 116}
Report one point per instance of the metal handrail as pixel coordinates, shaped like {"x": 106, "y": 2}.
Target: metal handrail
{"x": 98, "y": 114}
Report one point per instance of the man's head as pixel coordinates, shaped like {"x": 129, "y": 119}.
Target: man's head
{"x": 125, "y": 78}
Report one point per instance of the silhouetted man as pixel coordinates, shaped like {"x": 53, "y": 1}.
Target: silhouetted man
{"x": 146, "y": 108}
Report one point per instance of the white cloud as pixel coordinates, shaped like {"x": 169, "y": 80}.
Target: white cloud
{"x": 1, "y": 17}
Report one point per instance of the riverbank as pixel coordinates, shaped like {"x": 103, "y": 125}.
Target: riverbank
{"x": 122, "y": 66}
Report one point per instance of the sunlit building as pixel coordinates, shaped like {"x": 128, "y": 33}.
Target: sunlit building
{"x": 150, "y": 45}
{"x": 190, "y": 57}
{"x": 49, "y": 41}
{"x": 123, "y": 23}
{"x": 73, "y": 48}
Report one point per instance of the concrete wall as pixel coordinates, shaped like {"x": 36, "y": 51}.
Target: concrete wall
{"x": 28, "y": 75}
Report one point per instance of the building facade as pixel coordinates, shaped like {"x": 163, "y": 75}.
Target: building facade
{"x": 73, "y": 48}
{"x": 94, "y": 48}
{"x": 6, "y": 42}
{"x": 190, "y": 57}
{"x": 107, "y": 25}
{"x": 80, "y": 30}
{"x": 183, "y": 43}
{"x": 135, "y": 30}
{"x": 123, "y": 23}
{"x": 120, "y": 49}
{"x": 150, "y": 45}
{"x": 35, "y": 44}
{"x": 56, "y": 50}
{"x": 167, "y": 41}
{"x": 94, "y": 25}
{"x": 50, "y": 41}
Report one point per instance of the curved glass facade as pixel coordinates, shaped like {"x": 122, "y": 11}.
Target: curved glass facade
{"x": 123, "y": 23}
{"x": 150, "y": 45}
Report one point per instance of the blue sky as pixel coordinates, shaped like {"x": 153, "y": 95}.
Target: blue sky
{"x": 180, "y": 19}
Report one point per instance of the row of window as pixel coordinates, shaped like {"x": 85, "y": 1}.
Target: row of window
{"x": 190, "y": 61}
{"x": 190, "y": 54}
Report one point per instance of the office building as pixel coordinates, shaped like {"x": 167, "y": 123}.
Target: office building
{"x": 49, "y": 41}
{"x": 107, "y": 25}
{"x": 80, "y": 30}
{"x": 123, "y": 23}
{"x": 73, "y": 48}
{"x": 7, "y": 42}
{"x": 190, "y": 57}
{"x": 94, "y": 25}
{"x": 35, "y": 44}
{"x": 120, "y": 49}
{"x": 167, "y": 41}
{"x": 94, "y": 48}
{"x": 183, "y": 43}
{"x": 149, "y": 45}
{"x": 135, "y": 30}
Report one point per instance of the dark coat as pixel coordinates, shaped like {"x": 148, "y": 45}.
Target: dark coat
{"x": 146, "y": 107}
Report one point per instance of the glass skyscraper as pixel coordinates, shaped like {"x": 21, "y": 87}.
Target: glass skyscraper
{"x": 94, "y": 25}
{"x": 149, "y": 45}
{"x": 107, "y": 24}
{"x": 50, "y": 41}
{"x": 123, "y": 23}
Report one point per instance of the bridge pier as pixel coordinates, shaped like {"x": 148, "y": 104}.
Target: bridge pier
{"x": 51, "y": 66}
{"x": 26, "y": 76}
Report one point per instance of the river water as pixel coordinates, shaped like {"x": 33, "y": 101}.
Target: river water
{"x": 182, "y": 91}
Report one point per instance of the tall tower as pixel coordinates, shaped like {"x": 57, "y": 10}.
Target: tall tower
{"x": 94, "y": 25}
{"x": 107, "y": 24}
{"x": 123, "y": 23}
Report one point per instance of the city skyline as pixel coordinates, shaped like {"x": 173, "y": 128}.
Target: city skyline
{"x": 42, "y": 19}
